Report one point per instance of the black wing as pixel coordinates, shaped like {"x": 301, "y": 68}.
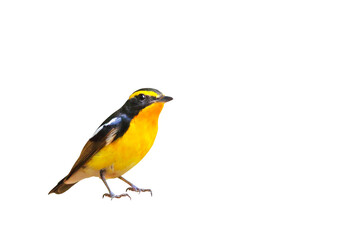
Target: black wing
{"x": 110, "y": 130}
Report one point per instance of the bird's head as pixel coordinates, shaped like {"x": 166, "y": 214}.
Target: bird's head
{"x": 145, "y": 98}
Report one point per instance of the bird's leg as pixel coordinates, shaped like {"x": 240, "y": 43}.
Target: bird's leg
{"x": 135, "y": 188}
{"x": 110, "y": 194}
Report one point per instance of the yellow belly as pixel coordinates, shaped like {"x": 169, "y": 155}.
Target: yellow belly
{"x": 125, "y": 152}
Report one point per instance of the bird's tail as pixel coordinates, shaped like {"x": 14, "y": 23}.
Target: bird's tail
{"x": 61, "y": 187}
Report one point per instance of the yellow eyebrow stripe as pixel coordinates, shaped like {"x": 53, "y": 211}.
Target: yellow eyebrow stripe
{"x": 149, "y": 93}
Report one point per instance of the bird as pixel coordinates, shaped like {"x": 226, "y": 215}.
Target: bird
{"x": 119, "y": 143}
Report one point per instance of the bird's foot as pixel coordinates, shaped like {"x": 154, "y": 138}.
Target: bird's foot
{"x": 136, "y": 189}
{"x": 112, "y": 195}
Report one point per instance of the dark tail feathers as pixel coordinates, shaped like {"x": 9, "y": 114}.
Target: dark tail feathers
{"x": 61, "y": 187}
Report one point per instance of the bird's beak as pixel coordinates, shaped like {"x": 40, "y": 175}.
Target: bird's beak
{"x": 165, "y": 99}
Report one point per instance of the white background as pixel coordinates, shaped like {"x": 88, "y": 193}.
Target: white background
{"x": 261, "y": 140}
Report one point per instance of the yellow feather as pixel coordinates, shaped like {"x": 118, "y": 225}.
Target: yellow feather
{"x": 125, "y": 152}
{"x": 148, "y": 93}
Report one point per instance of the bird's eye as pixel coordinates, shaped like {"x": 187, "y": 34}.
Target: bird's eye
{"x": 141, "y": 96}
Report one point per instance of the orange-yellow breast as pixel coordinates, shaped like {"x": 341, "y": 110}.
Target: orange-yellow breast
{"x": 125, "y": 152}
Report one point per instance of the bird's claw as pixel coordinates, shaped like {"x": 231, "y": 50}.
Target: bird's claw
{"x": 135, "y": 189}
{"x": 112, "y": 195}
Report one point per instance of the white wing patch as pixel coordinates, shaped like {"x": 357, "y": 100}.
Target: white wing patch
{"x": 113, "y": 121}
